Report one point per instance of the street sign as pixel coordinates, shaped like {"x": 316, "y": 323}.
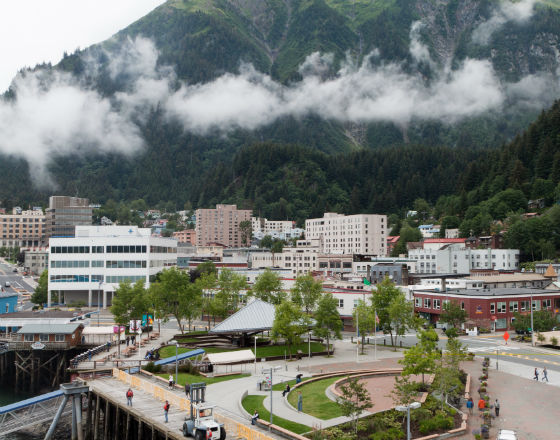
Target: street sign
{"x": 506, "y": 336}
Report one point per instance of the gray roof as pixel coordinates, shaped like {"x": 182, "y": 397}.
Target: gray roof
{"x": 8, "y": 294}
{"x": 64, "y": 329}
{"x": 254, "y": 317}
{"x": 500, "y": 291}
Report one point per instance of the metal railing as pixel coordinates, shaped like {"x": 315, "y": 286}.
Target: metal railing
{"x": 28, "y": 345}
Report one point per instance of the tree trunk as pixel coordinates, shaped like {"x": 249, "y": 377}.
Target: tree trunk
{"x": 363, "y": 340}
{"x": 179, "y": 323}
{"x": 328, "y": 345}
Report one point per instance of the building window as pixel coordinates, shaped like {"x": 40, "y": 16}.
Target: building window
{"x": 536, "y": 305}
{"x": 340, "y": 303}
{"x": 524, "y": 306}
{"x": 28, "y": 338}
{"x": 356, "y": 301}
{"x": 501, "y": 307}
{"x": 492, "y": 308}
{"x": 418, "y": 302}
{"x": 43, "y": 337}
{"x": 513, "y": 306}
{"x": 462, "y": 305}
{"x": 59, "y": 338}
{"x": 546, "y": 304}
{"x": 501, "y": 323}
{"x": 436, "y": 304}
{"x": 427, "y": 303}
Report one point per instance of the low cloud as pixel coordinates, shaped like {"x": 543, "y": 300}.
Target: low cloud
{"x": 55, "y": 113}
{"x": 506, "y": 11}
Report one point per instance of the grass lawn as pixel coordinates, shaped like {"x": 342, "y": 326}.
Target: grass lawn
{"x": 252, "y": 402}
{"x": 192, "y": 378}
{"x": 315, "y": 401}
{"x": 278, "y": 350}
{"x": 169, "y": 350}
{"x": 282, "y": 386}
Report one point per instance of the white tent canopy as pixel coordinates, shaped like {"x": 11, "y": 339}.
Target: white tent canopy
{"x": 231, "y": 357}
{"x": 102, "y": 330}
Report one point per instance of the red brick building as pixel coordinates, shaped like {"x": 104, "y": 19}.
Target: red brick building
{"x": 490, "y": 308}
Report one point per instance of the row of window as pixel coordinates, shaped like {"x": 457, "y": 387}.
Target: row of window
{"x": 76, "y": 278}
{"x": 126, "y": 249}
{"x": 43, "y": 338}
{"x": 70, "y": 250}
{"x": 112, "y": 249}
{"x": 138, "y": 264}
{"x": 500, "y": 307}
{"x": 162, "y": 250}
{"x": 73, "y": 263}
{"x": 124, "y": 278}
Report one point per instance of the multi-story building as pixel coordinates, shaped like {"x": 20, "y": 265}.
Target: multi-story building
{"x": 396, "y": 272}
{"x": 429, "y": 231}
{"x": 65, "y": 213}
{"x": 88, "y": 268}
{"x": 489, "y": 308}
{"x": 185, "y": 236}
{"x": 456, "y": 258}
{"x": 301, "y": 258}
{"x": 349, "y": 234}
{"x": 36, "y": 261}
{"x": 22, "y": 228}
{"x": 221, "y": 225}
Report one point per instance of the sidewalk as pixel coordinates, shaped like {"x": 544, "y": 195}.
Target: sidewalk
{"x": 527, "y": 407}
{"x": 228, "y": 394}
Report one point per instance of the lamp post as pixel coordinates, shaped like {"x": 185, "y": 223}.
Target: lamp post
{"x": 173, "y": 341}
{"x": 406, "y": 408}
{"x": 532, "y": 329}
{"x": 269, "y": 371}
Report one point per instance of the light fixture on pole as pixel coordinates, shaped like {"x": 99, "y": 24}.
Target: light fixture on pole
{"x": 532, "y": 328}
{"x": 406, "y": 408}
{"x": 270, "y": 371}
{"x": 173, "y": 341}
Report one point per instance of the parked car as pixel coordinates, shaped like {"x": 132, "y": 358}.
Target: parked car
{"x": 7, "y": 284}
{"x": 15, "y": 269}
{"x": 506, "y": 434}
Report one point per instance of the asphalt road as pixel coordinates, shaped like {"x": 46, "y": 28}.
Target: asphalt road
{"x": 18, "y": 283}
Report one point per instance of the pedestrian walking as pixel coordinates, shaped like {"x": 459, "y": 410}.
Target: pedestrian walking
{"x": 129, "y": 396}
{"x": 497, "y": 407}
{"x": 108, "y": 346}
{"x": 170, "y": 381}
{"x": 166, "y": 410}
{"x": 127, "y": 340}
{"x": 536, "y": 374}
{"x": 187, "y": 390}
{"x": 133, "y": 339}
{"x": 544, "y": 374}
{"x": 89, "y": 356}
{"x": 481, "y": 404}
{"x": 300, "y": 402}
{"x": 470, "y": 405}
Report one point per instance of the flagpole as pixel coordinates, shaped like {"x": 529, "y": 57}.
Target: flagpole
{"x": 375, "y": 332}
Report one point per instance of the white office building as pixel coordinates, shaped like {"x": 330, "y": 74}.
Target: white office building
{"x": 349, "y": 234}
{"x": 87, "y": 269}
{"x": 456, "y": 258}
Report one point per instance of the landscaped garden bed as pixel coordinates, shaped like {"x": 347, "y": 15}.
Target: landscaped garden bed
{"x": 391, "y": 425}
{"x": 255, "y": 402}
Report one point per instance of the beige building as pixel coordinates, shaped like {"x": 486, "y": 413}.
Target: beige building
{"x": 185, "y": 236}
{"x": 349, "y": 234}
{"x": 26, "y": 229}
{"x": 221, "y": 225}
{"x": 65, "y": 213}
{"x": 36, "y": 261}
{"x": 301, "y": 259}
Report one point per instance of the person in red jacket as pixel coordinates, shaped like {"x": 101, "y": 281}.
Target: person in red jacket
{"x": 481, "y": 404}
{"x": 129, "y": 396}
{"x": 166, "y": 410}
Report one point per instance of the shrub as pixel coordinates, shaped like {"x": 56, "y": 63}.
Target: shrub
{"x": 420, "y": 414}
{"x": 188, "y": 368}
{"x": 554, "y": 340}
{"x": 389, "y": 434}
{"x": 152, "y": 368}
{"x": 540, "y": 337}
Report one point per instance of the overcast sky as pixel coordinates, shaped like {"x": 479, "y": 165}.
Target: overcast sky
{"x": 33, "y": 31}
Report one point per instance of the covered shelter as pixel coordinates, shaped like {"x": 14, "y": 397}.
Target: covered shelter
{"x": 101, "y": 334}
{"x": 255, "y": 317}
{"x": 231, "y": 358}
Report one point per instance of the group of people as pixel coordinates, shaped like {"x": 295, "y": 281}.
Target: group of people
{"x": 544, "y": 374}
{"x": 482, "y": 405}
{"x": 151, "y": 355}
{"x": 130, "y": 340}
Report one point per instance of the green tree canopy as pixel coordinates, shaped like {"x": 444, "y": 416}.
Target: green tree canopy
{"x": 290, "y": 322}
{"x": 268, "y": 287}
{"x": 130, "y": 301}
{"x": 327, "y": 318}
{"x": 40, "y": 295}
{"x": 364, "y": 320}
{"x": 453, "y": 314}
{"x": 306, "y": 292}
{"x": 355, "y": 400}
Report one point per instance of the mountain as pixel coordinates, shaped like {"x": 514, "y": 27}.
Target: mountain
{"x": 187, "y": 98}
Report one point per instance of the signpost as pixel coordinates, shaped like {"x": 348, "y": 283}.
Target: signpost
{"x": 506, "y": 336}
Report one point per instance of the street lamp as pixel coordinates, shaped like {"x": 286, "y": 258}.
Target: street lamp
{"x": 270, "y": 371}
{"x": 98, "y": 309}
{"x": 406, "y": 408}
{"x": 532, "y": 329}
{"x": 173, "y": 341}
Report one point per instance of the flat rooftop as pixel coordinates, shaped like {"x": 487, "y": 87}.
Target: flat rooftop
{"x": 499, "y": 291}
